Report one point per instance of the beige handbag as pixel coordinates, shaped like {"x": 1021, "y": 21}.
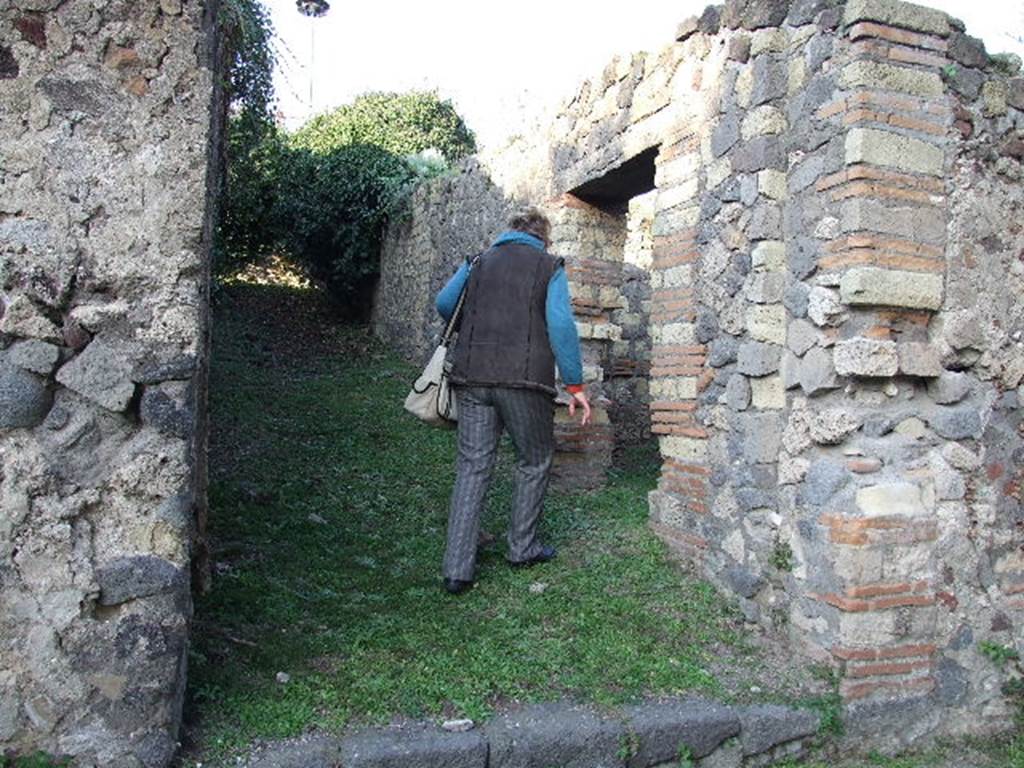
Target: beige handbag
{"x": 431, "y": 398}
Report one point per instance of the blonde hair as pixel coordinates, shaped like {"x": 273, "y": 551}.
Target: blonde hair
{"x": 533, "y": 222}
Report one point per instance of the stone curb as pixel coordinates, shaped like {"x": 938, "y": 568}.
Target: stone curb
{"x": 562, "y": 735}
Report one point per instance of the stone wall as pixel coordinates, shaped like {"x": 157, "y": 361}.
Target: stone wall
{"x": 106, "y": 117}
{"x": 835, "y": 330}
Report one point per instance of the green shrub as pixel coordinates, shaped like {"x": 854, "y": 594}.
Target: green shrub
{"x": 400, "y": 123}
{"x": 331, "y": 210}
{"x": 257, "y": 157}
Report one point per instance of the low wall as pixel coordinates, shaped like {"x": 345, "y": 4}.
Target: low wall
{"x": 106, "y": 118}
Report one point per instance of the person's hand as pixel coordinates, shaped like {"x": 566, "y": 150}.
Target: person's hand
{"x": 581, "y": 398}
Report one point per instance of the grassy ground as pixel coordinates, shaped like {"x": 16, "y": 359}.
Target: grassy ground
{"x": 328, "y": 508}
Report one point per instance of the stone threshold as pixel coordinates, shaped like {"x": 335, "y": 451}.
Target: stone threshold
{"x": 565, "y": 735}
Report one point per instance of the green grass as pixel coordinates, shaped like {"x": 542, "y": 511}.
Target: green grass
{"x": 36, "y": 760}
{"x": 327, "y": 515}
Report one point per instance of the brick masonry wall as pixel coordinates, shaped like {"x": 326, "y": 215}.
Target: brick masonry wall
{"x": 106, "y": 119}
{"x": 834, "y": 332}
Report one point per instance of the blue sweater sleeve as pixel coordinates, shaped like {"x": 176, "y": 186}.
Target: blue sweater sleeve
{"x": 565, "y": 340}
{"x": 449, "y": 295}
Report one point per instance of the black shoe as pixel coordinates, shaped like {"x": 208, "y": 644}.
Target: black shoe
{"x": 456, "y": 586}
{"x": 546, "y": 553}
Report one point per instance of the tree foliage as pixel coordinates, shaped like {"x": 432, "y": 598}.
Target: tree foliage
{"x": 322, "y": 195}
{"x": 331, "y": 210}
{"x": 253, "y": 148}
{"x": 401, "y": 123}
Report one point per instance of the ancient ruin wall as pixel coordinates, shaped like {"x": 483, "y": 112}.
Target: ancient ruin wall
{"x": 838, "y": 486}
{"x": 835, "y": 328}
{"x": 105, "y": 126}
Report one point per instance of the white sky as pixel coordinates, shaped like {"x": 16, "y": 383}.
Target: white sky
{"x": 496, "y": 62}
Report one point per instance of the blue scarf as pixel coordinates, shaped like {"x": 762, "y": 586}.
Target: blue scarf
{"x": 523, "y": 238}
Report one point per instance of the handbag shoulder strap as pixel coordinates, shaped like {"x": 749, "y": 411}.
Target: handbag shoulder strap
{"x": 453, "y": 321}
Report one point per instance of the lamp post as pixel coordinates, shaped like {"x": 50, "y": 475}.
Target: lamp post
{"x": 313, "y": 9}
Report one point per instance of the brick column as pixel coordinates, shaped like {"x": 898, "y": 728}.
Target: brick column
{"x": 879, "y": 280}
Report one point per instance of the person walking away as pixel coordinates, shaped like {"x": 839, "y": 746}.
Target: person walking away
{"x": 517, "y": 323}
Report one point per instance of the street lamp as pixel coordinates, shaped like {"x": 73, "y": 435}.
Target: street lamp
{"x": 314, "y": 9}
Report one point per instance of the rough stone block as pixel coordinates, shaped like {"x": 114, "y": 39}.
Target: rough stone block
{"x": 22, "y": 319}
{"x": 919, "y": 359}
{"x": 824, "y": 307}
{"x": 684, "y": 448}
{"x": 897, "y": 13}
{"x": 865, "y": 73}
{"x": 824, "y": 479}
{"x": 769, "y": 41}
{"x": 762, "y": 121}
{"x": 866, "y": 357}
{"x": 806, "y": 11}
{"x": 768, "y": 256}
{"x": 817, "y": 373}
{"x": 762, "y": 437}
{"x": 304, "y": 752}
{"x": 660, "y": 727}
{"x": 768, "y": 393}
{"x": 166, "y": 407}
{"x": 757, "y": 359}
{"x": 24, "y": 397}
{"x": 1015, "y": 93}
{"x": 956, "y": 423}
{"x": 739, "y": 48}
{"x": 966, "y": 82}
{"x": 768, "y": 725}
{"x": 759, "y": 153}
{"x": 767, "y": 322}
{"x": 966, "y": 50}
{"x": 772, "y": 184}
{"x": 993, "y": 98}
{"x": 9, "y": 705}
{"x": 890, "y": 499}
{"x": 892, "y": 150}
{"x": 765, "y": 219}
{"x": 950, "y": 387}
{"x": 765, "y": 287}
{"x": 553, "y": 734}
{"x": 130, "y": 578}
{"x": 101, "y": 373}
{"x": 414, "y": 748}
{"x": 754, "y": 14}
{"x": 891, "y": 288}
{"x": 831, "y": 426}
{"x": 790, "y": 370}
{"x": 722, "y": 351}
{"x": 796, "y": 298}
{"x": 962, "y": 329}
{"x": 710, "y": 20}
{"x": 771, "y": 79}
{"x": 801, "y": 336}
{"x": 674, "y": 388}
{"x": 725, "y": 135}
{"x": 737, "y": 392}
{"x": 36, "y": 356}
{"x": 687, "y": 28}
{"x": 744, "y": 85}
{"x": 922, "y": 224}
{"x": 743, "y": 581}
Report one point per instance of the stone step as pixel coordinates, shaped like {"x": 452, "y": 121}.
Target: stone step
{"x": 567, "y": 735}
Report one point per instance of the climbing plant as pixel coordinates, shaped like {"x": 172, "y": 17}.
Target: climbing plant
{"x": 253, "y": 145}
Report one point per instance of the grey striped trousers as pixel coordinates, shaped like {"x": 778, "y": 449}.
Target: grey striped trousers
{"x": 528, "y": 415}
